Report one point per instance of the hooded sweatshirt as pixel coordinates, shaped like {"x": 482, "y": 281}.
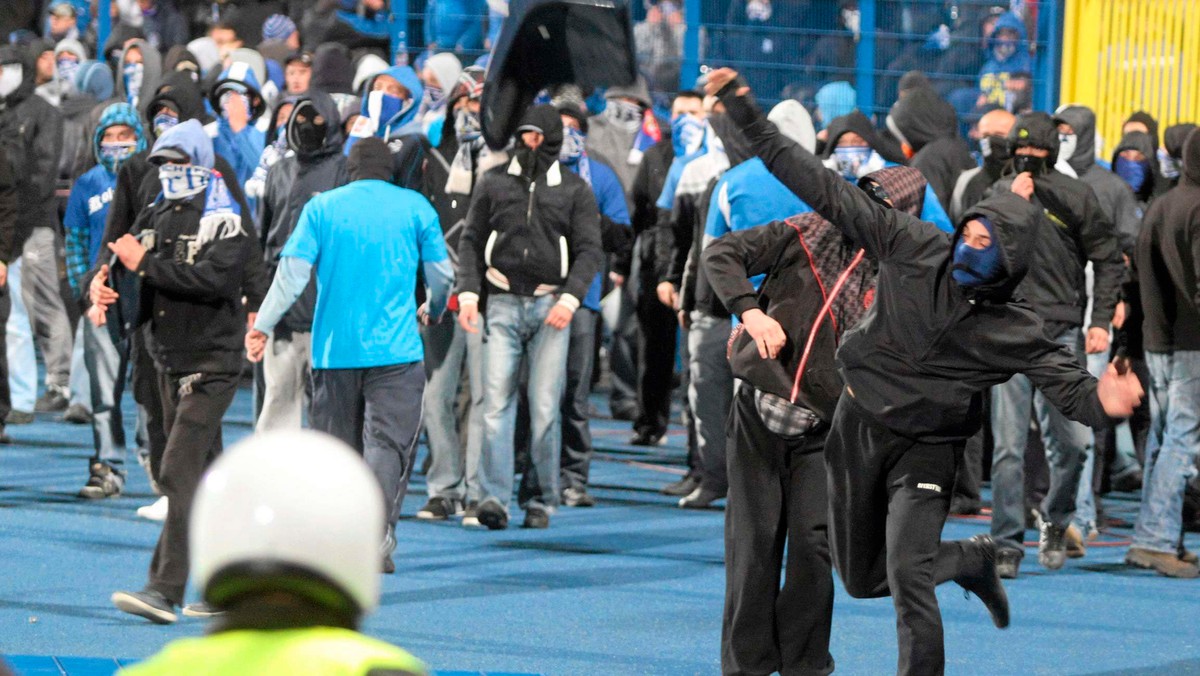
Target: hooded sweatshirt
{"x": 927, "y": 348}
{"x": 33, "y": 151}
{"x": 242, "y": 148}
{"x": 398, "y": 124}
{"x": 533, "y": 227}
{"x": 151, "y": 73}
{"x": 1168, "y": 261}
{"x": 1115, "y": 197}
{"x": 612, "y": 142}
{"x": 1173, "y": 139}
{"x": 927, "y": 123}
{"x": 291, "y": 183}
{"x": 1136, "y": 140}
{"x": 996, "y": 72}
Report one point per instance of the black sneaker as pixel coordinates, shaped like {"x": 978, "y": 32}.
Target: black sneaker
{"x": 1008, "y": 563}
{"x": 578, "y": 497}
{"x": 437, "y": 509}
{"x": 148, "y": 604}
{"x": 16, "y": 417}
{"x": 201, "y": 609}
{"x": 492, "y": 515}
{"x": 77, "y": 414}
{"x": 471, "y": 515}
{"x": 982, "y": 579}
{"x": 105, "y": 482}
{"x": 1052, "y": 546}
{"x": 536, "y": 517}
{"x": 683, "y": 487}
{"x": 53, "y": 400}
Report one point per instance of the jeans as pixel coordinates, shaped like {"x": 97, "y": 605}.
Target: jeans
{"x": 516, "y": 330}
{"x": 1067, "y": 445}
{"x": 576, "y": 433}
{"x": 1085, "y": 497}
{"x": 454, "y": 456}
{"x": 710, "y": 392}
{"x": 1174, "y": 442}
{"x": 44, "y": 302}
{"x": 105, "y": 366}
{"x": 22, "y": 361}
{"x": 623, "y": 357}
{"x": 78, "y": 384}
{"x": 287, "y": 375}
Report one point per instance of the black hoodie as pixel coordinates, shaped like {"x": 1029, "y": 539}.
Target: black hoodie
{"x": 1144, "y": 144}
{"x": 859, "y": 124}
{"x": 32, "y": 131}
{"x": 532, "y": 223}
{"x": 291, "y": 183}
{"x": 920, "y": 359}
{"x": 1168, "y": 261}
{"x": 928, "y": 124}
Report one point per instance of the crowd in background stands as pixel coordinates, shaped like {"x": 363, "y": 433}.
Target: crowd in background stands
{"x": 284, "y": 90}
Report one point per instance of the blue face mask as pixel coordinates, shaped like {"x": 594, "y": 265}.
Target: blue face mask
{"x": 113, "y": 154}
{"x": 573, "y": 146}
{"x": 975, "y": 267}
{"x": 163, "y": 122}
{"x": 686, "y": 131}
{"x": 1132, "y": 172}
{"x": 851, "y": 159}
{"x": 383, "y": 108}
{"x": 133, "y": 74}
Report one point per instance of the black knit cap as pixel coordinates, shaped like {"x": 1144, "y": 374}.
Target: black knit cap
{"x": 370, "y": 159}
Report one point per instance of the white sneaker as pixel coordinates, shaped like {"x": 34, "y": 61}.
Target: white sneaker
{"x": 156, "y": 511}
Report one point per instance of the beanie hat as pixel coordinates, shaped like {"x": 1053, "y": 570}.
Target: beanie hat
{"x": 278, "y": 27}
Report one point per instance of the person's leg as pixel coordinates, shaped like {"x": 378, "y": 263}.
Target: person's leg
{"x": 52, "y": 329}
{"x": 1011, "y": 407}
{"x": 966, "y": 498}
{"x": 103, "y": 363}
{"x": 1068, "y": 445}
{"x": 146, "y": 391}
{"x": 917, "y": 560}
{"x": 804, "y": 609}
{"x": 193, "y": 406}
{"x": 756, "y": 526}
{"x": 5, "y": 394}
{"x": 656, "y": 364}
{"x": 476, "y": 371}
{"x": 504, "y": 346}
{"x": 337, "y": 405}
{"x": 285, "y": 372}
{"x": 710, "y": 393}
{"x": 576, "y": 434}
{"x": 1172, "y": 450}
{"x": 547, "y": 359}
{"x": 22, "y": 361}
{"x": 391, "y": 427}
{"x": 623, "y": 359}
{"x": 78, "y": 384}
{"x": 445, "y": 353}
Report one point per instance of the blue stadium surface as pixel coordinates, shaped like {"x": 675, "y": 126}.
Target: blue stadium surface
{"x": 632, "y": 586}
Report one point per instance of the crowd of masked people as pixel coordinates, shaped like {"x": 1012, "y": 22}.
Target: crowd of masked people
{"x": 168, "y": 207}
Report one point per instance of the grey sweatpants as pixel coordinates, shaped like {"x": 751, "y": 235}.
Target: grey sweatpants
{"x": 47, "y": 313}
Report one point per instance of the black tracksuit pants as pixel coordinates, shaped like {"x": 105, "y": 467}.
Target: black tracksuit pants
{"x": 889, "y": 497}
{"x": 146, "y": 392}
{"x": 192, "y": 407}
{"x": 776, "y": 501}
{"x": 656, "y": 361}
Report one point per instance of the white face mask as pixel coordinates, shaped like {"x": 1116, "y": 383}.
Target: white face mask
{"x": 10, "y": 78}
{"x": 1066, "y": 146}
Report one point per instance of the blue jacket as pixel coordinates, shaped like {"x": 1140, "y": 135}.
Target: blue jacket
{"x": 610, "y": 198}
{"x": 243, "y": 149}
{"x": 83, "y": 222}
{"x": 995, "y": 73}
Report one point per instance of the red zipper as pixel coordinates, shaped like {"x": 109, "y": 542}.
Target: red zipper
{"x": 826, "y": 309}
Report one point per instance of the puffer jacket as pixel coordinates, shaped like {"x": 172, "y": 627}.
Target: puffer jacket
{"x": 291, "y": 183}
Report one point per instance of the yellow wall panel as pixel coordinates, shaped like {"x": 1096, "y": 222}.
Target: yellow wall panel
{"x": 1125, "y": 55}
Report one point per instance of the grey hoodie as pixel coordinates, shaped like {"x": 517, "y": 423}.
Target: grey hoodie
{"x": 151, "y": 75}
{"x": 1116, "y": 199}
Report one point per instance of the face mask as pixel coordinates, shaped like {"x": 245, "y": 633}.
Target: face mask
{"x": 851, "y": 160}
{"x": 624, "y": 114}
{"x": 113, "y": 154}
{"x": 1066, "y": 145}
{"x": 10, "y": 78}
{"x": 134, "y": 72}
{"x": 686, "y": 134}
{"x": 432, "y": 97}
{"x": 306, "y": 137}
{"x": 67, "y": 69}
{"x": 180, "y": 181}
{"x": 229, "y": 96}
{"x": 1004, "y": 50}
{"x": 758, "y": 10}
{"x": 1132, "y": 172}
{"x": 994, "y": 149}
{"x": 574, "y": 143}
{"x": 1029, "y": 163}
{"x": 383, "y": 108}
{"x": 974, "y": 267}
{"x": 163, "y": 122}
{"x": 467, "y": 125}
{"x": 280, "y": 142}
{"x": 1167, "y": 165}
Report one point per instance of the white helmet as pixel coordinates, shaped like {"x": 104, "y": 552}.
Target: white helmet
{"x": 291, "y": 510}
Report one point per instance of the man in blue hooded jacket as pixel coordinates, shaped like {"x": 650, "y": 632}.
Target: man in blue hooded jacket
{"x": 118, "y": 136}
{"x": 390, "y": 102}
{"x": 1008, "y": 57}
{"x": 237, "y": 99}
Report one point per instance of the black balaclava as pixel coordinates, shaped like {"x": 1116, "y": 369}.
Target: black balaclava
{"x": 305, "y": 135}
{"x": 1034, "y": 130}
{"x": 546, "y": 120}
{"x": 370, "y": 159}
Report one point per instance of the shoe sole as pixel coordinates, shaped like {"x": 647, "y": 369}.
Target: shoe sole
{"x": 200, "y": 614}
{"x": 471, "y": 522}
{"x": 129, "y": 604}
{"x": 492, "y": 520}
{"x": 430, "y": 516}
{"x": 1135, "y": 560}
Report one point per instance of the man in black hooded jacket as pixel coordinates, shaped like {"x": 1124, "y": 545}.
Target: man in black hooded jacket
{"x": 1071, "y": 230}
{"x": 944, "y": 326}
{"x": 314, "y": 135}
{"x": 533, "y": 236}
{"x": 928, "y": 129}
